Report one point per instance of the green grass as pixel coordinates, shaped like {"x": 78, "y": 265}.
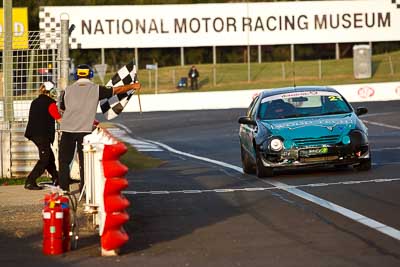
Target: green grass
{"x": 138, "y": 161}
{"x": 20, "y": 181}
{"x": 271, "y": 74}
{"x": 133, "y": 159}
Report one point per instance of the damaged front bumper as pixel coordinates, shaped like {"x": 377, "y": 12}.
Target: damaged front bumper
{"x": 307, "y": 156}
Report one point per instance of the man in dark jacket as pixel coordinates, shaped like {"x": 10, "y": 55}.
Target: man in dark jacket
{"x": 194, "y": 76}
{"x": 41, "y": 130}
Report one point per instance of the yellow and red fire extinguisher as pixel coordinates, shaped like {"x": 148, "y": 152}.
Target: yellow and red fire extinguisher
{"x": 56, "y": 225}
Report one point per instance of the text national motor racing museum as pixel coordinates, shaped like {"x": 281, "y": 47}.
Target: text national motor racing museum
{"x": 232, "y": 24}
{"x": 226, "y": 24}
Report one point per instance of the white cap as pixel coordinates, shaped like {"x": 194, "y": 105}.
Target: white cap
{"x": 49, "y": 85}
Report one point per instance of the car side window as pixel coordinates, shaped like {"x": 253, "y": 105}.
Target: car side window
{"x": 251, "y": 109}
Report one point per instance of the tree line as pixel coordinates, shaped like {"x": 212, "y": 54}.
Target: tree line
{"x": 195, "y": 55}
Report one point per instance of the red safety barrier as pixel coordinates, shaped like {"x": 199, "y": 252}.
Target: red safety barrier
{"x": 113, "y": 236}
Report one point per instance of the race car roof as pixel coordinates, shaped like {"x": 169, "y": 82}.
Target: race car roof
{"x": 285, "y": 90}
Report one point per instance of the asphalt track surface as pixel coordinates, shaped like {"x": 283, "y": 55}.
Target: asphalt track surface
{"x": 198, "y": 209}
{"x": 192, "y": 212}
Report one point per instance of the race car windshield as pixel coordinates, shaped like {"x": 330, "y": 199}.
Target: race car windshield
{"x": 302, "y": 104}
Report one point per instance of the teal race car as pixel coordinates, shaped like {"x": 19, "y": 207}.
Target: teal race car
{"x": 302, "y": 127}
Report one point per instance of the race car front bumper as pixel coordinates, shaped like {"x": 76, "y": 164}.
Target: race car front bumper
{"x": 325, "y": 155}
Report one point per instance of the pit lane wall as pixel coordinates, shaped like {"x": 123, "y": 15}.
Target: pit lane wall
{"x": 241, "y": 99}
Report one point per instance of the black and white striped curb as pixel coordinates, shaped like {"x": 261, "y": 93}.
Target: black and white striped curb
{"x": 139, "y": 145}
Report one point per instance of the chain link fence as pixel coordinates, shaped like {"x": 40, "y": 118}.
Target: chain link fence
{"x": 22, "y": 70}
{"x": 30, "y": 66}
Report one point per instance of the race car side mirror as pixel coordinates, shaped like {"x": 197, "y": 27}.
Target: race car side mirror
{"x": 247, "y": 120}
{"x": 361, "y": 111}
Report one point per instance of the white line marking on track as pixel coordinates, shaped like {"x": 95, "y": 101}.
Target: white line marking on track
{"x": 139, "y": 145}
{"x": 385, "y": 149}
{"x": 382, "y": 124}
{"x": 124, "y": 127}
{"x": 253, "y": 189}
{"x": 378, "y": 114}
{"x": 390, "y": 231}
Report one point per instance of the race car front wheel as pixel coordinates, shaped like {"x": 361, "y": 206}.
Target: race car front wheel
{"x": 261, "y": 170}
{"x": 364, "y": 165}
{"x": 246, "y": 164}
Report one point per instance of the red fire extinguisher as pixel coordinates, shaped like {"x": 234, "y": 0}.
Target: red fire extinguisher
{"x": 56, "y": 225}
{"x": 53, "y": 228}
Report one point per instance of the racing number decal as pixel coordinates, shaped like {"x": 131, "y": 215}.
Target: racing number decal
{"x": 332, "y": 98}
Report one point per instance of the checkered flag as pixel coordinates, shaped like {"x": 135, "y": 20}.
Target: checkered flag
{"x": 113, "y": 106}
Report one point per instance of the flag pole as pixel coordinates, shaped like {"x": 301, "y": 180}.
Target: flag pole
{"x": 140, "y": 104}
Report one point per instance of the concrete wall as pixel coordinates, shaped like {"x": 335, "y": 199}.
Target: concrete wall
{"x": 242, "y": 98}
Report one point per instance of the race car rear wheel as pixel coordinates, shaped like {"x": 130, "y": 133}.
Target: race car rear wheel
{"x": 247, "y": 166}
{"x": 261, "y": 170}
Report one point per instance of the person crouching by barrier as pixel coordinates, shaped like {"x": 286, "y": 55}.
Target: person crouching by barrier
{"x": 40, "y": 130}
{"x": 79, "y": 105}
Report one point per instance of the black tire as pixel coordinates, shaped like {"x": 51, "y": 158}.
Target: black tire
{"x": 364, "y": 165}
{"x": 247, "y": 166}
{"x": 261, "y": 170}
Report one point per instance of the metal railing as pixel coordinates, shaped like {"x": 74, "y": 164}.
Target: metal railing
{"x": 93, "y": 145}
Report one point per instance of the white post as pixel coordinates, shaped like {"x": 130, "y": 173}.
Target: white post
{"x": 292, "y": 53}
{"x": 182, "y": 56}
{"x": 8, "y": 108}
{"x": 137, "y": 58}
{"x": 102, "y": 56}
{"x": 337, "y": 51}
{"x": 64, "y": 52}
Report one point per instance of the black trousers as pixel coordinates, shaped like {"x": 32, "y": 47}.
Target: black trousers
{"x": 65, "y": 156}
{"x": 194, "y": 83}
{"x": 46, "y": 160}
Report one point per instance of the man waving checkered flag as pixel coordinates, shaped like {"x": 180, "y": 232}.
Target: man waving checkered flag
{"x": 113, "y": 106}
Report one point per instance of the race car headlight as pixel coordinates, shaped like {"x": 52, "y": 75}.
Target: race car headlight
{"x": 276, "y": 144}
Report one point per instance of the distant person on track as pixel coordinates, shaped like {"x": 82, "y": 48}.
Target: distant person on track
{"x": 194, "y": 76}
{"x": 40, "y": 130}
